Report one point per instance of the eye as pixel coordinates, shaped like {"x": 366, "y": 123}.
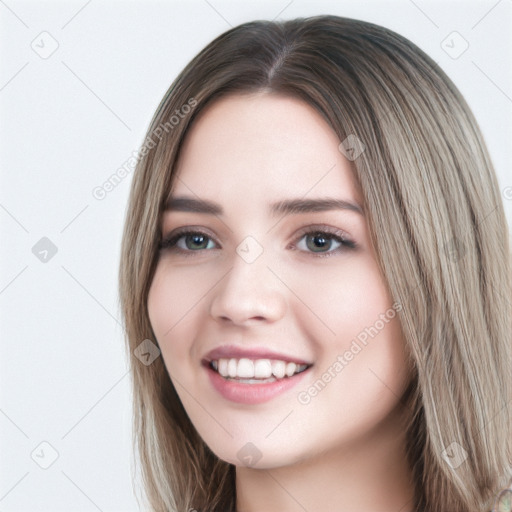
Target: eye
{"x": 324, "y": 241}
{"x": 187, "y": 241}
{"x": 320, "y": 241}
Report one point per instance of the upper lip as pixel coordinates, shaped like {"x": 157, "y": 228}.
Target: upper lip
{"x": 235, "y": 352}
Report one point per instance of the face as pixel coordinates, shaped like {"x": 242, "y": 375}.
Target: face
{"x": 274, "y": 321}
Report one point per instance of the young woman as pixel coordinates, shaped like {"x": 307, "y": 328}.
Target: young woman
{"x": 316, "y": 281}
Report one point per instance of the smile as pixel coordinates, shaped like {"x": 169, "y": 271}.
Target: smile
{"x": 256, "y": 371}
{"x": 253, "y": 381}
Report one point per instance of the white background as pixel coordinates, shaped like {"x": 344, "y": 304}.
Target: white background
{"x": 68, "y": 122}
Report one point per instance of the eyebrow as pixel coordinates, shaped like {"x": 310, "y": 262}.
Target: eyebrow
{"x": 286, "y": 207}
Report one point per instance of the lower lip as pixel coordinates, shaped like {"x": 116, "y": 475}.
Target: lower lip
{"x": 244, "y": 393}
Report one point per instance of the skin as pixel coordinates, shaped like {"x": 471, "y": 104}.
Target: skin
{"x": 344, "y": 449}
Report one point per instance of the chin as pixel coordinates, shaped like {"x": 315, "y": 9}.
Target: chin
{"x": 258, "y": 454}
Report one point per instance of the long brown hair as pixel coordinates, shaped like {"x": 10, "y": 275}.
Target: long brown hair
{"x": 435, "y": 218}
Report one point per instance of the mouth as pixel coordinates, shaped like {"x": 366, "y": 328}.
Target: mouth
{"x": 254, "y": 381}
{"x": 256, "y": 371}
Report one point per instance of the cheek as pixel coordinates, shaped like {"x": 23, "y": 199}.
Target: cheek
{"x": 342, "y": 298}
{"x": 174, "y": 296}
{"x": 357, "y": 334}
{"x": 174, "y": 306}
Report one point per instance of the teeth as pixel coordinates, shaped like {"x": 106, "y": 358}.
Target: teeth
{"x": 291, "y": 368}
{"x": 245, "y": 368}
{"x": 278, "y": 369}
{"x": 262, "y": 369}
{"x": 232, "y": 368}
{"x": 223, "y": 366}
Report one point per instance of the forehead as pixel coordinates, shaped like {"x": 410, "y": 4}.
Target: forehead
{"x": 262, "y": 146}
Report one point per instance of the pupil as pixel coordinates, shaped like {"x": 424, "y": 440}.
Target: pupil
{"x": 318, "y": 241}
{"x": 196, "y": 240}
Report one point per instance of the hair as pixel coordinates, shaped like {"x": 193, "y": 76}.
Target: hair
{"x": 435, "y": 218}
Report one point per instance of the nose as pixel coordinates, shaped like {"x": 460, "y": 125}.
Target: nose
{"x": 248, "y": 293}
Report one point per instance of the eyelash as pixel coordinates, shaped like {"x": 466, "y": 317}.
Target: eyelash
{"x": 169, "y": 243}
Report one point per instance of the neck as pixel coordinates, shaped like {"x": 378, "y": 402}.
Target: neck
{"x": 370, "y": 474}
